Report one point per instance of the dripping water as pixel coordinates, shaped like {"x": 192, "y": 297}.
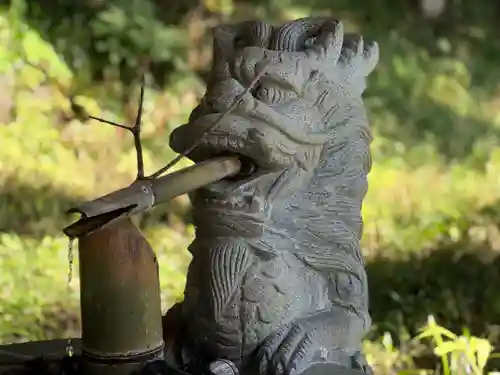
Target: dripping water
{"x": 69, "y": 345}
{"x": 70, "y": 260}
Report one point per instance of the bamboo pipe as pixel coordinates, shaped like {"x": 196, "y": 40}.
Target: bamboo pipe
{"x": 143, "y": 194}
{"x": 119, "y": 300}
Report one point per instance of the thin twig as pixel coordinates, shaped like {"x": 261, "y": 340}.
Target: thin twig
{"x": 186, "y": 152}
{"x": 110, "y": 122}
{"x": 135, "y": 130}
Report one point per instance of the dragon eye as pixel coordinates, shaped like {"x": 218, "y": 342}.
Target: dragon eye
{"x": 265, "y": 94}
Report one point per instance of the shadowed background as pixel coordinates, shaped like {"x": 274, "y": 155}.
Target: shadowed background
{"x": 433, "y": 209}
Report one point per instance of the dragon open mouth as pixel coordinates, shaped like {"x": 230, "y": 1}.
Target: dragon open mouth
{"x": 262, "y": 151}
{"x": 245, "y": 195}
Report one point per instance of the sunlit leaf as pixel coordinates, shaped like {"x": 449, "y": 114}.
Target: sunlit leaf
{"x": 483, "y": 349}
{"x": 445, "y": 348}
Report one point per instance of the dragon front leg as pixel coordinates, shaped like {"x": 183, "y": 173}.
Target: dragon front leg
{"x": 332, "y": 336}
{"x": 173, "y": 328}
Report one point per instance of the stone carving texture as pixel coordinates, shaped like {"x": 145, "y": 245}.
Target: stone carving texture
{"x": 277, "y": 280}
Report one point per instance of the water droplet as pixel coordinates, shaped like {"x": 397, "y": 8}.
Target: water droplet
{"x": 69, "y": 348}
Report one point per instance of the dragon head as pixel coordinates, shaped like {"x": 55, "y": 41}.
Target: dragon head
{"x": 301, "y": 131}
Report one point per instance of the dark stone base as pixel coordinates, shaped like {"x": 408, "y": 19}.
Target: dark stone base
{"x": 49, "y": 358}
{"x": 39, "y": 357}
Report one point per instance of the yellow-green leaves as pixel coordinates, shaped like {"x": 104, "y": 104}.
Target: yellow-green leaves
{"x": 458, "y": 353}
{"x": 219, "y": 6}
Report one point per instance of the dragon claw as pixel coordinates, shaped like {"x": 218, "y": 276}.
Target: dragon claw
{"x": 286, "y": 352}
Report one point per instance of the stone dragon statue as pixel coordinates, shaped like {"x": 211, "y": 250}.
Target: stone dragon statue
{"x": 277, "y": 280}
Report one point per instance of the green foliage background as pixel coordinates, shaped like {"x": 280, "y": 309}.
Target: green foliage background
{"x": 432, "y": 212}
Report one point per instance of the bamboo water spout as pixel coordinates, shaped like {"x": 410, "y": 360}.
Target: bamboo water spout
{"x": 119, "y": 281}
{"x": 143, "y": 194}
